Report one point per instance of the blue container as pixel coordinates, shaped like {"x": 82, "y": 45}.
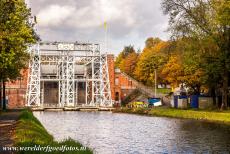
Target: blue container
{"x": 183, "y": 97}
{"x": 194, "y": 101}
{"x": 176, "y": 101}
{"x": 151, "y": 101}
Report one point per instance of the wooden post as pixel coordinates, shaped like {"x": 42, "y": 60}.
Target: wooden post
{"x": 4, "y": 95}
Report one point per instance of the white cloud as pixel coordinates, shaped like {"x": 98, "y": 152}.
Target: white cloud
{"x": 92, "y": 15}
{"x": 54, "y": 15}
{"x": 111, "y": 10}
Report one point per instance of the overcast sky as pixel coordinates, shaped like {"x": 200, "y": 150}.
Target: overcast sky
{"x": 129, "y": 22}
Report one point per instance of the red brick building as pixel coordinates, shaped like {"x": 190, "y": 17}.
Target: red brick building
{"x": 121, "y": 85}
{"x": 16, "y": 91}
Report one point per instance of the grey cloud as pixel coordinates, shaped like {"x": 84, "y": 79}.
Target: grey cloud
{"x": 146, "y": 20}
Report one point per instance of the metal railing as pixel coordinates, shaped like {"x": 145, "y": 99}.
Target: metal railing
{"x": 143, "y": 88}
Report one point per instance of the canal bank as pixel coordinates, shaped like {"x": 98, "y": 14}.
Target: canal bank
{"x": 29, "y": 136}
{"x": 212, "y": 116}
{"x": 8, "y": 121}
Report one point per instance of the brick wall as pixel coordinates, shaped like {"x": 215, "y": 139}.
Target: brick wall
{"x": 123, "y": 85}
{"x": 110, "y": 60}
{"x": 16, "y": 91}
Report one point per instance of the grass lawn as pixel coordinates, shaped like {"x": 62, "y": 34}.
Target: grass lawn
{"x": 163, "y": 90}
{"x": 215, "y": 116}
{"x": 30, "y": 133}
{"x": 192, "y": 114}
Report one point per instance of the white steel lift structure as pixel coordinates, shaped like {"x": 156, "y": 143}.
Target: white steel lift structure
{"x": 67, "y": 64}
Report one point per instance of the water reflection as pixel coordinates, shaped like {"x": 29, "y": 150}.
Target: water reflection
{"x": 107, "y": 132}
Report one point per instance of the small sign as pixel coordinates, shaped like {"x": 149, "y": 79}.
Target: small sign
{"x": 65, "y": 46}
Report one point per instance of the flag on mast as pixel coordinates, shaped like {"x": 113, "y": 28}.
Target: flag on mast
{"x": 106, "y": 31}
{"x": 105, "y": 25}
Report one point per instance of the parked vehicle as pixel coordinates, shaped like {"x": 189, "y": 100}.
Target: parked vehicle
{"x": 137, "y": 105}
{"x": 154, "y": 102}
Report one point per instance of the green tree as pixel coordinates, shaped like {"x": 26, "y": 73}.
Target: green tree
{"x": 200, "y": 19}
{"x": 191, "y": 61}
{"x": 16, "y": 33}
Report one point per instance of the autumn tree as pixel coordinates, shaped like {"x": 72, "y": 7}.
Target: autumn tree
{"x": 16, "y": 33}
{"x": 172, "y": 71}
{"x": 152, "y": 42}
{"x": 129, "y": 63}
{"x": 201, "y": 19}
{"x": 123, "y": 54}
{"x": 150, "y": 59}
{"x": 127, "y": 60}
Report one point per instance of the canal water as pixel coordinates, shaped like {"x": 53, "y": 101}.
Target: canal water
{"x": 118, "y": 133}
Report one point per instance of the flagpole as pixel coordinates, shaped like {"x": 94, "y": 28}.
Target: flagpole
{"x": 106, "y": 37}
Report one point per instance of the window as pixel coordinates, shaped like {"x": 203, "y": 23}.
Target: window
{"x": 117, "y": 96}
{"x": 117, "y": 81}
{"x": 130, "y": 83}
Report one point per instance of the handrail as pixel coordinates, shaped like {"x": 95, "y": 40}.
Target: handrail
{"x": 148, "y": 90}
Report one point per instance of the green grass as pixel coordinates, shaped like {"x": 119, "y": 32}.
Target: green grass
{"x": 192, "y": 114}
{"x": 163, "y": 90}
{"x": 30, "y": 133}
{"x": 214, "y": 116}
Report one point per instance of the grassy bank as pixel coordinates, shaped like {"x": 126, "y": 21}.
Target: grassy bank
{"x": 31, "y": 133}
{"x": 214, "y": 116}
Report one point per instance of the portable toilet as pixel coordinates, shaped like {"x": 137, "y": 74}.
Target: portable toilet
{"x": 176, "y": 101}
{"x": 194, "y": 99}
{"x": 182, "y": 102}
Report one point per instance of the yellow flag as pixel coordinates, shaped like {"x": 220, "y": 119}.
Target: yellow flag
{"x": 105, "y": 25}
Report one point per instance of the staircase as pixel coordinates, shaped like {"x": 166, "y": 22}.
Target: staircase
{"x": 143, "y": 88}
{"x": 148, "y": 91}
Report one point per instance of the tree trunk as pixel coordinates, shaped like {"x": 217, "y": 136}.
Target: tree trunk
{"x": 213, "y": 94}
{"x": 4, "y": 95}
{"x": 0, "y": 93}
{"x": 224, "y": 90}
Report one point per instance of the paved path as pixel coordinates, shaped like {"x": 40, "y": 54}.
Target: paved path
{"x": 7, "y": 127}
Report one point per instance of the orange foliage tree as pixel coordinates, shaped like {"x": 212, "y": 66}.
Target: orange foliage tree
{"x": 150, "y": 59}
{"x": 172, "y": 71}
{"x": 129, "y": 63}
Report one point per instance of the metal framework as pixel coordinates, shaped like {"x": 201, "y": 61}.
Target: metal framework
{"x": 69, "y": 64}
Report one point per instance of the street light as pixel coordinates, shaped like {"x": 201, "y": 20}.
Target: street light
{"x": 155, "y": 72}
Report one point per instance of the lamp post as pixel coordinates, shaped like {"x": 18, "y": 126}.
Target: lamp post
{"x": 155, "y": 72}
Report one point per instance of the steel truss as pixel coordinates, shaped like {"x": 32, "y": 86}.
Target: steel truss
{"x": 33, "y": 85}
{"x": 63, "y": 61}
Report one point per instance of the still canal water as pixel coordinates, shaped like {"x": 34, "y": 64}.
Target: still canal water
{"x": 118, "y": 133}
